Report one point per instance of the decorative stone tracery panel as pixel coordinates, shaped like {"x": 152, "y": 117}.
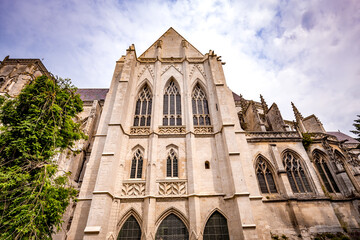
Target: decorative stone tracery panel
{"x": 203, "y": 130}
{"x": 171, "y": 130}
{"x": 133, "y": 189}
{"x": 170, "y": 188}
{"x": 140, "y": 130}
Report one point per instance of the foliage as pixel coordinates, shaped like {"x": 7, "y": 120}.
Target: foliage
{"x": 307, "y": 140}
{"x": 35, "y": 126}
{"x": 357, "y": 127}
{"x": 331, "y": 236}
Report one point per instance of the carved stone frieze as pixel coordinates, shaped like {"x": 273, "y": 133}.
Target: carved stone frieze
{"x": 319, "y": 135}
{"x": 147, "y": 66}
{"x": 168, "y": 67}
{"x": 133, "y": 189}
{"x": 203, "y": 130}
{"x": 272, "y": 136}
{"x": 171, "y": 130}
{"x": 199, "y": 67}
{"x": 167, "y": 188}
{"x": 140, "y": 130}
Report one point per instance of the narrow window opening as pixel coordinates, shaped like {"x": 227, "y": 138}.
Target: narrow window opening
{"x": 172, "y": 105}
{"x": 200, "y": 107}
{"x": 143, "y": 108}
{"x": 207, "y": 165}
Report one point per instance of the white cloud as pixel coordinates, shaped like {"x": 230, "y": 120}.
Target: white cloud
{"x": 301, "y": 51}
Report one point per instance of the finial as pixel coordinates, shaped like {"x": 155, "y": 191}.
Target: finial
{"x": 296, "y": 112}
{"x": 243, "y": 103}
{"x": 263, "y": 104}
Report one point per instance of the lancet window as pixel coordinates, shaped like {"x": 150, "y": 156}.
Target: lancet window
{"x": 216, "y": 227}
{"x": 265, "y": 177}
{"x": 143, "y": 108}
{"x": 172, "y": 164}
{"x": 172, "y": 105}
{"x": 172, "y": 228}
{"x": 137, "y": 164}
{"x": 130, "y": 230}
{"x": 296, "y": 174}
{"x": 325, "y": 173}
{"x": 200, "y": 107}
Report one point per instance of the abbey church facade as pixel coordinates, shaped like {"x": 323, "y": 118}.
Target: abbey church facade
{"x": 173, "y": 153}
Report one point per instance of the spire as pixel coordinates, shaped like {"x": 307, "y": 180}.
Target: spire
{"x": 263, "y": 104}
{"x": 296, "y": 112}
{"x": 243, "y": 104}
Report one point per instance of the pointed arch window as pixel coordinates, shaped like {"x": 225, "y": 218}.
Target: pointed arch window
{"x": 172, "y": 164}
{"x": 143, "y": 108}
{"x": 172, "y": 228}
{"x": 200, "y": 107}
{"x": 325, "y": 173}
{"x": 265, "y": 177}
{"x": 298, "y": 180}
{"x": 216, "y": 227}
{"x": 172, "y": 105}
{"x": 137, "y": 165}
{"x": 130, "y": 230}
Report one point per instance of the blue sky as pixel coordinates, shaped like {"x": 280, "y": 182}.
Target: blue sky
{"x": 306, "y": 51}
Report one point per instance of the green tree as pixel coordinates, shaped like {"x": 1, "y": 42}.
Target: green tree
{"x": 357, "y": 127}
{"x": 36, "y": 125}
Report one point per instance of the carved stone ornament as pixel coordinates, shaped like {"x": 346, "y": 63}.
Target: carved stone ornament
{"x": 150, "y": 68}
{"x": 167, "y": 188}
{"x": 133, "y": 189}
{"x": 171, "y": 130}
{"x": 203, "y": 130}
{"x": 271, "y": 135}
{"x": 140, "y": 130}
{"x": 168, "y": 67}
{"x": 197, "y": 66}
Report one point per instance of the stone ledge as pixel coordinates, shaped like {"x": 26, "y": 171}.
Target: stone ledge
{"x": 92, "y": 229}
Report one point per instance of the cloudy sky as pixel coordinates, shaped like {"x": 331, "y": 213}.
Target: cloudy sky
{"x": 306, "y": 51}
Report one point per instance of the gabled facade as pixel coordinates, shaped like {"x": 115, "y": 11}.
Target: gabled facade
{"x": 173, "y": 153}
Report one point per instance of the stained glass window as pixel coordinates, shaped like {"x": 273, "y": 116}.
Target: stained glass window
{"x": 325, "y": 174}
{"x": 296, "y": 174}
{"x": 200, "y": 107}
{"x": 216, "y": 228}
{"x": 172, "y": 105}
{"x": 136, "y": 165}
{"x": 172, "y": 228}
{"x": 265, "y": 177}
{"x": 130, "y": 230}
{"x": 143, "y": 108}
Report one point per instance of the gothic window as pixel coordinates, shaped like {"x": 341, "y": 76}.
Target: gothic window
{"x": 265, "y": 177}
{"x": 296, "y": 174}
{"x": 172, "y": 105}
{"x": 143, "y": 108}
{"x": 216, "y": 227}
{"x": 200, "y": 107}
{"x": 324, "y": 172}
{"x": 172, "y": 228}
{"x": 172, "y": 164}
{"x": 130, "y": 230}
{"x": 137, "y": 165}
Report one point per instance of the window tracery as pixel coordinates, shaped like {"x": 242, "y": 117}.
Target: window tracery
{"x": 137, "y": 165}
{"x": 130, "y": 230}
{"x": 172, "y": 105}
{"x": 172, "y": 164}
{"x": 265, "y": 177}
{"x": 172, "y": 228}
{"x": 216, "y": 227}
{"x": 143, "y": 108}
{"x": 325, "y": 173}
{"x": 298, "y": 180}
{"x": 200, "y": 107}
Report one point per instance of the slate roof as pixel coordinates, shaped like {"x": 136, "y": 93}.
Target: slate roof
{"x": 342, "y": 136}
{"x": 91, "y": 94}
